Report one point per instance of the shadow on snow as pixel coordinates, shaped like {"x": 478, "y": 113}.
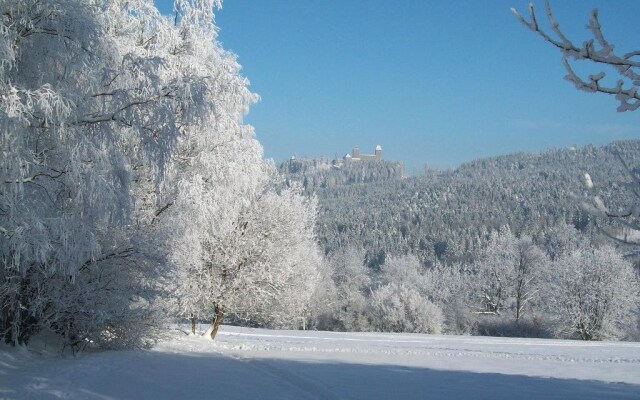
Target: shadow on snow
{"x": 159, "y": 375}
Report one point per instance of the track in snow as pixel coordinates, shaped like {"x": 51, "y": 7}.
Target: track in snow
{"x": 260, "y": 364}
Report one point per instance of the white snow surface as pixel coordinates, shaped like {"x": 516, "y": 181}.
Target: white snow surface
{"x": 247, "y": 363}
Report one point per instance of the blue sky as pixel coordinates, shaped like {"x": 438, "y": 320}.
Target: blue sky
{"x": 433, "y": 82}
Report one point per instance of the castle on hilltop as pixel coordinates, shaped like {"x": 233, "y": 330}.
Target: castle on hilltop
{"x": 356, "y": 156}
{"x": 295, "y": 164}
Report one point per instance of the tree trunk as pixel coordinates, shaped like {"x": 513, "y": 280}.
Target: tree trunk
{"x": 217, "y": 320}
{"x": 193, "y": 324}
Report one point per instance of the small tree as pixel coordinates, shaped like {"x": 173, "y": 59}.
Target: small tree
{"x": 400, "y": 303}
{"x": 399, "y": 308}
{"x": 263, "y": 269}
{"x": 446, "y": 286}
{"x": 531, "y": 263}
{"x": 594, "y": 293}
{"x": 353, "y": 286}
{"x": 509, "y": 269}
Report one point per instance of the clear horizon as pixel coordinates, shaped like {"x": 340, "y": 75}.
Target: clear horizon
{"x": 433, "y": 83}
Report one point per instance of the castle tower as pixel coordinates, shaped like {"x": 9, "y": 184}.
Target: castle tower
{"x": 378, "y": 152}
{"x": 356, "y": 152}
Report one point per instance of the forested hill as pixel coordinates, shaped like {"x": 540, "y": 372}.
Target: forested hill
{"x": 316, "y": 174}
{"x": 447, "y": 215}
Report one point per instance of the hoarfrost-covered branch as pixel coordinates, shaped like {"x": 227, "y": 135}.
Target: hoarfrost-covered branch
{"x": 598, "y": 50}
{"x": 628, "y": 217}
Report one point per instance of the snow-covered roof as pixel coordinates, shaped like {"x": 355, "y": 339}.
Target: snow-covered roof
{"x": 347, "y": 156}
{"x": 378, "y": 148}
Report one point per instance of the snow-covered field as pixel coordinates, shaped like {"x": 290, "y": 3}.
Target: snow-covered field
{"x": 261, "y": 364}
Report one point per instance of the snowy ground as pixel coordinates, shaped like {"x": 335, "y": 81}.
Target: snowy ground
{"x": 262, "y": 364}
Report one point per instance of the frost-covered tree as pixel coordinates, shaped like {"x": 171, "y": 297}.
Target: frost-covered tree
{"x": 508, "y": 274}
{"x": 403, "y": 270}
{"x": 529, "y": 268}
{"x": 594, "y": 294}
{"x": 353, "y": 287}
{"x": 323, "y": 305}
{"x": 446, "y": 286}
{"x": 494, "y": 273}
{"x": 231, "y": 240}
{"x": 215, "y": 172}
{"x": 91, "y": 91}
{"x": 562, "y": 239}
{"x": 284, "y": 261}
{"x": 399, "y": 308}
{"x": 262, "y": 268}
{"x": 400, "y": 303}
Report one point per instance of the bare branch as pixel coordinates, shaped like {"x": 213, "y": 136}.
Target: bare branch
{"x": 160, "y": 211}
{"x": 30, "y": 179}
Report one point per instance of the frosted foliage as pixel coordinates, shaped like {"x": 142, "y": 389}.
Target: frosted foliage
{"x": 563, "y": 239}
{"x": 599, "y": 51}
{"x": 401, "y": 302}
{"x": 106, "y": 108}
{"x": 508, "y": 275}
{"x": 494, "y": 272}
{"x": 405, "y": 271}
{"x": 64, "y": 174}
{"x": 594, "y": 293}
{"x": 446, "y": 286}
{"x": 444, "y": 283}
{"x": 353, "y": 284}
{"x": 284, "y": 261}
{"x": 261, "y": 265}
{"x": 323, "y": 305}
{"x": 398, "y": 308}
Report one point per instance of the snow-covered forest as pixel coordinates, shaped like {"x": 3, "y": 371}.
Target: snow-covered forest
{"x": 448, "y": 215}
{"x": 135, "y": 204}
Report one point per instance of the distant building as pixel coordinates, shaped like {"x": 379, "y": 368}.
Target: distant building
{"x": 356, "y": 156}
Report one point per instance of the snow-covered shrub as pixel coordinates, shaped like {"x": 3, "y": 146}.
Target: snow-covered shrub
{"x": 398, "y": 308}
{"x": 594, "y": 293}
{"x": 323, "y": 305}
{"x": 533, "y": 326}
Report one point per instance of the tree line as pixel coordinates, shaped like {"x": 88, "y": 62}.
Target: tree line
{"x": 575, "y": 289}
